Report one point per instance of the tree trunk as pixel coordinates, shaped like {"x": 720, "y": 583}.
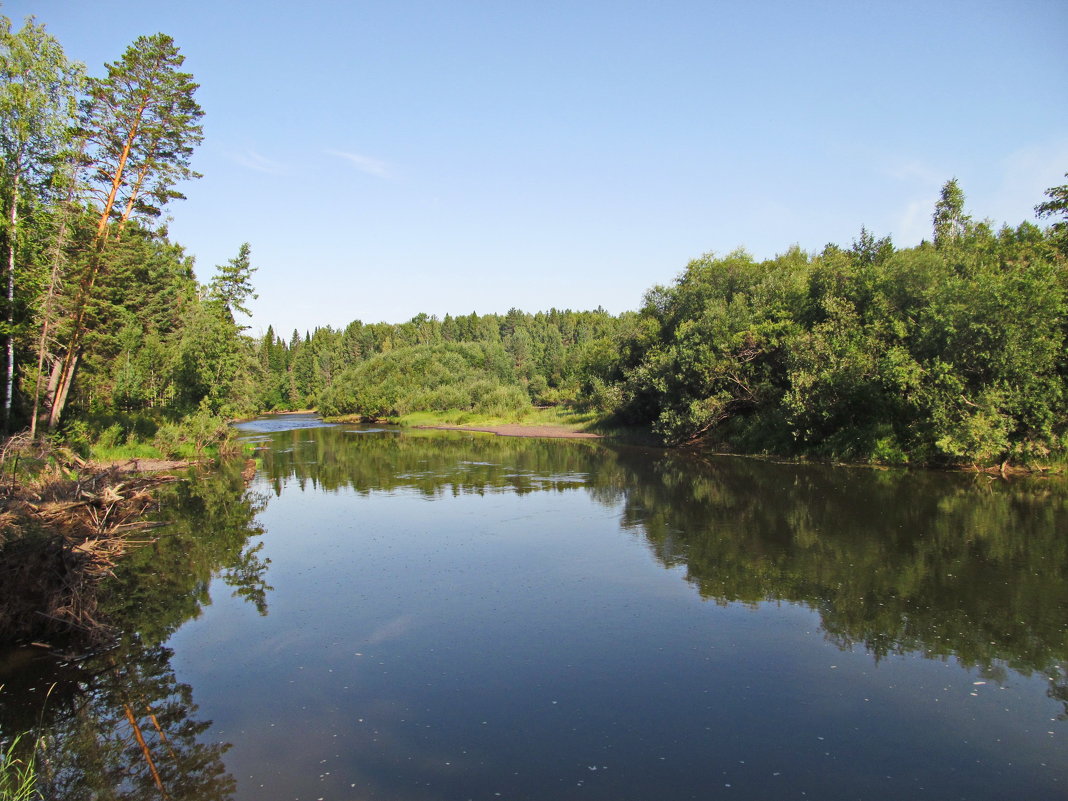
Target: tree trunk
{"x": 70, "y": 359}
{"x": 62, "y": 379}
{"x": 58, "y": 247}
{"x": 116, "y": 179}
{"x": 145, "y": 751}
{"x": 11, "y": 245}
{"x": 134, "y": 192}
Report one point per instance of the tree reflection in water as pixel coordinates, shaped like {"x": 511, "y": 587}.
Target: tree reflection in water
{"x": 118, "y": 724}
{"x": 945, "y": 565}
{"x": 940, "y": 564}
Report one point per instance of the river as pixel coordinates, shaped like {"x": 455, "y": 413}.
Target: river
{"x": 446, "y": 615}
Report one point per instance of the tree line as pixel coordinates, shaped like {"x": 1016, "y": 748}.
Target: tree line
{"x": 949, "y": 352}
{"x": 953, "y": 351}
{"x": 490, "y": 362}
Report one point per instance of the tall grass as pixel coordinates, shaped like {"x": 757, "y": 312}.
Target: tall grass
{"x": 18, "y": 772}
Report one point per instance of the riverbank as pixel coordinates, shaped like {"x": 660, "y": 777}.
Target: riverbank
{"x": 552, "y": 422}
{"x": 518, "y": 430}
{"x": 65, "y": 523}
{"x": 61, "y": 532}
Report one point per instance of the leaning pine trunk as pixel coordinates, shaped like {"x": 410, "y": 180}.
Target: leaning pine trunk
{"x": 63, "y": 379}
{"x": 69, "y": 363}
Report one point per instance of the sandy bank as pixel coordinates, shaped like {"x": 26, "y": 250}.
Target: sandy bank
{"x": 518, "y": 430}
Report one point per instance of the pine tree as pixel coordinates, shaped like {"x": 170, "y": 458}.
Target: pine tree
{"x": 140, "y": 126}
{"x": 232, "y": 285}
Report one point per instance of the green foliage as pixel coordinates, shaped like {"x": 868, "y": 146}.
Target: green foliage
{"x": 142, "y": 120}
{"x": 951, "y": 354}
{"x": 713, "y": 343}
{"x": 554, "y": 357}
{"x": 213, "y": 364}
{"x": 38, "y": 88}
{"x": 471, "y": 376}
{"x": 950, "y": 222}
{"x": 232, "y": 286}
{"x": 18, "y": 771}
{"x": 1057, "y": 205}
{"x": 190, "y": 436}
{"x": 146, "y": 435}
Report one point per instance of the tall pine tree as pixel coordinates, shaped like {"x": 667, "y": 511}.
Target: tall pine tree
{"x": 140, "y": 125}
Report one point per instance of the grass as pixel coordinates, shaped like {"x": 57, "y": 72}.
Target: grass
{"x": 555, "y": 416}
{"x": 544, "y": 416}
{"x": 123, "y": 453}
{"x": 18, "y": 775}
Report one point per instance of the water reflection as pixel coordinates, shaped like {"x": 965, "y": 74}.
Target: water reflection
{"x": 942, "y": 565}
{"x": 948, "y": 567}
{"x": 118, "y": 724}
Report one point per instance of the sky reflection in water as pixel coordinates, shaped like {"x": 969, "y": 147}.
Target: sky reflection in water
{"x": 454, "y": 616}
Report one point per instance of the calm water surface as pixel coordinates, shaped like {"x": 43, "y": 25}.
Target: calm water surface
{"x": 440, "y": 615}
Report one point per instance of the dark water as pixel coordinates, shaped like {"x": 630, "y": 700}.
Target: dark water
{"x": 449, "y": 616}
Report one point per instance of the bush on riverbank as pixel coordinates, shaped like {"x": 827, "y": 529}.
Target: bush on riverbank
{"x": 150, "y": 434}
{"x": 465, "y": 376}
{"x": 951, "y": 352}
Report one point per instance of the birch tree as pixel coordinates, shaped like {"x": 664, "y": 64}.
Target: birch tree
{"x": 38, "y": 91}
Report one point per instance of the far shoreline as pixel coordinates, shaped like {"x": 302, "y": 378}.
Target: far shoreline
{"x": 516, "y": 430}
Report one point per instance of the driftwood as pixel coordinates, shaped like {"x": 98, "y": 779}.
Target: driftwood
{"x": 59, "y": 536}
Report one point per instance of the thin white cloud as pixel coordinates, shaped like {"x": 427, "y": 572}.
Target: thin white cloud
{"x": 912, "y": 221}
{"x": 364, "y": 164}
{"x": 260, "y": 163}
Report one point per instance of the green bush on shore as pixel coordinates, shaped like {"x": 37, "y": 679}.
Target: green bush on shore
{"x": 142, "y": 435}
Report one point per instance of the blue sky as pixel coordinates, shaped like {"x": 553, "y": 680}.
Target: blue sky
{"x": 390, "y": 158}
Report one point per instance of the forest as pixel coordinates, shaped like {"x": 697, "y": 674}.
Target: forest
{"x": 948, "y": 353}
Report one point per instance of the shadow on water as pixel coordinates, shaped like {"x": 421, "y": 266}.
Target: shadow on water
{"x": 946, "y": 566}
